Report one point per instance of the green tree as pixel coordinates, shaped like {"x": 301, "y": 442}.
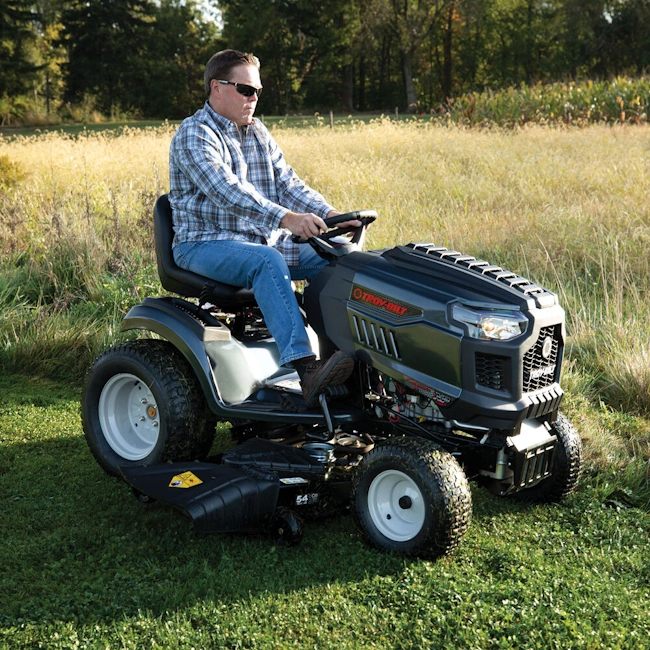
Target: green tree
{"x": 411, "y": 22}
{"x": 627, "y": 46}
{"x": 183, "y": 41}
{"x": 304, "y": 49}
{"x": 17, "y": 67}
{"x": 137, "y": 56}
{"x": 51, "y": 55}
{"x": 108, "y": 45}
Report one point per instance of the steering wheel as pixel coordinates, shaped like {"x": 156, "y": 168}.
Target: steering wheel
{"x": 366, "y": 217}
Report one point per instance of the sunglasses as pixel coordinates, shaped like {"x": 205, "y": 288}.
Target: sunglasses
{"x": 242, "y": 89}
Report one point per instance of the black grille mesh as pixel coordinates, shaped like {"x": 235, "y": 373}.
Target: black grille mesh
{"x": 490, "y": 371}
{"x": 540, "y": 371}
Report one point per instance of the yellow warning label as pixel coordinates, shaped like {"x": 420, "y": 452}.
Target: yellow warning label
{"x": 185, "y": 480}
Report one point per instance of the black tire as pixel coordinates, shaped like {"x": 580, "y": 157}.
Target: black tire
{"x": 411, "y": 497}
{"x": 566, "y": 470}
{"x": 286, "y": 527}
{"x": 142, "y": 405}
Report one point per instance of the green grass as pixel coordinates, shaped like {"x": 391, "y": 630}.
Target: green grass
{"x": 88, "y": 566}
{"x": 299, "y": 121}
{"x": 9, "y": 132}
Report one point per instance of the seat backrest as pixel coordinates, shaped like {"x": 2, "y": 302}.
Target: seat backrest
{"x": 183, "y": 282}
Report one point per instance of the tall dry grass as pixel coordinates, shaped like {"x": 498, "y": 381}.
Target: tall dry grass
{"x": 566, "y": 207}
{"x": 77, "y": 242}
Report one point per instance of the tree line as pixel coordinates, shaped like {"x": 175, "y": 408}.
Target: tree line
{"x": 146, "y": 57}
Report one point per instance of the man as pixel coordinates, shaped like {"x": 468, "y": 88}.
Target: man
{"x": 236, "y": 203}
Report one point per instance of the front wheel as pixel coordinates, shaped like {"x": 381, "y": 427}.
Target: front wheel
{"x": 143, "y": 405}
{"x": 566, "y": 469}
{"x": 412, "y": 497}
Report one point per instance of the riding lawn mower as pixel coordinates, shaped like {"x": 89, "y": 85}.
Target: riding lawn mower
{"x": 457, "y": 371}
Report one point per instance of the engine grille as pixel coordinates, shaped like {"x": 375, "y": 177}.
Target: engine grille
{"x": 490, "y": 371}
{"x": 540, "y": 362}
{"x": 376, "y": 336}
{"x": 539, "y": 365}
{"x": 534, "y": 465}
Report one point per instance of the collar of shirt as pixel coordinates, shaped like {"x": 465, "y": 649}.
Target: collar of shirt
{"x": 228, "y": 126}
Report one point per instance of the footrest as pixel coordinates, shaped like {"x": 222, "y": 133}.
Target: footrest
{"x": 336, "y": 391}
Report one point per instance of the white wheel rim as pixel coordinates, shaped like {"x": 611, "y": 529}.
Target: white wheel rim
{"x": 396, "y": 505}
{"x": 129, "y": 417}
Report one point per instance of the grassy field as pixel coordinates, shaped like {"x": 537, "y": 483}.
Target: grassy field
{"x": 87, "y": 566}
{"x": 566, "y": 207}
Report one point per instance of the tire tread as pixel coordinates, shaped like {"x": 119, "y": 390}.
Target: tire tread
{"x": 448, "y": 490}
{"x": 190, "y": 425}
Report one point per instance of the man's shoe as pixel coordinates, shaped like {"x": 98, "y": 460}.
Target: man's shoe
{"x": 326, "y": 372}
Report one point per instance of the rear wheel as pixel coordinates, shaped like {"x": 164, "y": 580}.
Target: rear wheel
{"x": 142, "y": 405}
{"x": 412, "y": 497}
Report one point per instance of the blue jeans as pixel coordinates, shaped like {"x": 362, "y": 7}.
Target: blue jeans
{"x": 264, "y": 270}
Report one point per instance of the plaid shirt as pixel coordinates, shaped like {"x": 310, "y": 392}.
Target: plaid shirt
{"x": 227, "y": 183}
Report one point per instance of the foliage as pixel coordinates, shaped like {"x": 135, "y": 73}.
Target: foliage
{"x": 16, "y": 38}
{"x": 159, "y": 49}
{"x": 146, "y": 57}
{"x": 183, "y": 43}
{"x": 417, "y": 54}
{"x": 293, "y": 40}
{"x": 622, "y": 100}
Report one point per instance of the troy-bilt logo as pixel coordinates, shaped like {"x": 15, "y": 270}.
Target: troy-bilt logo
{"x": 441, "y": 399}
{"x": 381, "y": 302}
{"x": 542, "y": 372}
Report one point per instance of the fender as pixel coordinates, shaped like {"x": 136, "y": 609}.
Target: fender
{"x": 159, "y": 315}
{"x": 166, "y": 318}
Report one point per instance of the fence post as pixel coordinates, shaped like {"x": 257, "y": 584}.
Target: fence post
{"x": 331, "y": 119}
{"x": 396, "y": 114}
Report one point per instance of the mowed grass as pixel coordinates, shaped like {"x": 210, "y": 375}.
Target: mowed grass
{"x": 86, "y": 565}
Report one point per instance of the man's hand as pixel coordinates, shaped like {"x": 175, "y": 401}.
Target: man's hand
{"x": 307, "y": 224}
{"x": 303, "y": 224}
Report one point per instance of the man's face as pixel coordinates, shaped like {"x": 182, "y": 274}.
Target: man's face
{"x": 227, "y": 101}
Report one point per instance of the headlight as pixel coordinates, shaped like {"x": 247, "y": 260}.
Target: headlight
{"x": 493, "y": 324}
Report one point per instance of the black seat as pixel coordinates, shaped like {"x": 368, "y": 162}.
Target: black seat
{"x": 186, "y": 283}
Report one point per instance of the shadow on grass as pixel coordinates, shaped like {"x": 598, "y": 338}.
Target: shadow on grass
{"x": 83, "y": 548}
{"x": 79, "y": 547}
